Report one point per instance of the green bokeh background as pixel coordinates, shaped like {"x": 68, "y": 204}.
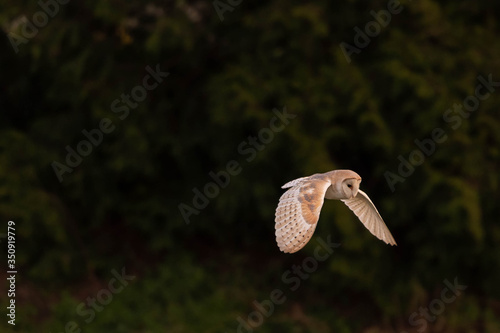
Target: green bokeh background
{"x": 119, "y": 208}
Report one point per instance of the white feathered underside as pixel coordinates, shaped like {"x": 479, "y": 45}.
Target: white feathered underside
{"x": 292, "y": 230}
{"x": 368, "y": 214}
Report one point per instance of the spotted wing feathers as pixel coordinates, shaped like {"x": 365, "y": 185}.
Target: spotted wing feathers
{"x": 368, "y": 214}
{"x": 294, "y": 182}
{"x": 298, "y": 212}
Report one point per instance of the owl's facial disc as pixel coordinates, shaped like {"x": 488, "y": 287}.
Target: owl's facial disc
{"x": 351, "y": 187}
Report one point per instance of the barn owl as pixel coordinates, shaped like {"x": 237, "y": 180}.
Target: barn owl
{"x": 299, "y": 207}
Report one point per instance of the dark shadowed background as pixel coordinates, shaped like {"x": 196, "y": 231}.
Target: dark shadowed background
{"x": 143, "y": 146}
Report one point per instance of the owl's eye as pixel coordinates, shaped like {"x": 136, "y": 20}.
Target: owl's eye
{"x": 349, "y": 185}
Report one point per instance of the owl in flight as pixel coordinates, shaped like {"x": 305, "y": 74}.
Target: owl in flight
{"x": 299, "y": 207}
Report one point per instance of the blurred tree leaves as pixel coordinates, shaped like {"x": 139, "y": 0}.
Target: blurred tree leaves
{"x": 120, "y": 205}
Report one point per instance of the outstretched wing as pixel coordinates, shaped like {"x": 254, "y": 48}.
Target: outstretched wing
{"x": 295, "y": 182}
{"x": 365, "y": 210}
{"x": 298, "y": 212}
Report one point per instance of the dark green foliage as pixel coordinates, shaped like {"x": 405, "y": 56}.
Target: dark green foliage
{"x": 120, "y": 206}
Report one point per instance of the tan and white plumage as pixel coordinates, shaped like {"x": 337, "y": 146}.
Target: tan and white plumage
{"x": 299, "y": 207}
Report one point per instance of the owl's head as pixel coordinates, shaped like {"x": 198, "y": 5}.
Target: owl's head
{"x": 350, "y": 187}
